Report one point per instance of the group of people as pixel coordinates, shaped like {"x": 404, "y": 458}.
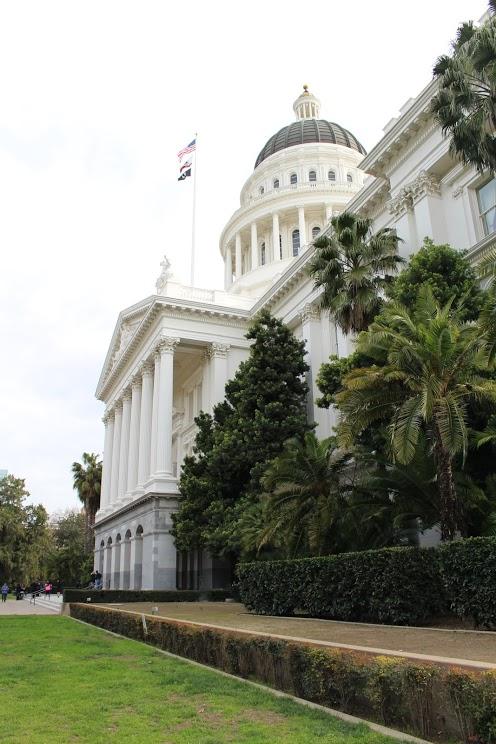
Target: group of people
{"x": 20, "y": 590}
{"x": 96, "y": 580}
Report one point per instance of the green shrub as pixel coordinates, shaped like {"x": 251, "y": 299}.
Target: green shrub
{"x": 393, "y": 585}
{"x": 469, "y": 570}
{"x": 109, "y": 596}
{"x": 427, "y": 701}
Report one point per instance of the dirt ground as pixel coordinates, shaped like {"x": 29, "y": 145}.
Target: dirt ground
{"x": 451, "y": 644}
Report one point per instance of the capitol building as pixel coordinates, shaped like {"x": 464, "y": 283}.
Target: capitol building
{"x": 172, "y": 353}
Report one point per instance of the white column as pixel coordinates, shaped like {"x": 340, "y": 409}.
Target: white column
{"x": 254, "y": 246}
{"x": 302, "y": 226}
{"x": 228, "y": 268}
{"x": 328, "y": 213}
{"x": 218, "y": 372}
{"x": 145, "y": 437}
{"x": 124, "y": 453}
{"x": 134, "y": 431}
{"x": 155, "y": 418}
{"x": 312, "y": 336}
{"x": 116, "y": 453}
{"x": 275, "y": 237}
{"x": 164, "y": 433}
{"x": 238, "y": 255}
{"x": 108, "y": 420}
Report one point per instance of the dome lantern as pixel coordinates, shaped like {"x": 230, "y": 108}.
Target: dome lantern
{"x": 306, "y": 106}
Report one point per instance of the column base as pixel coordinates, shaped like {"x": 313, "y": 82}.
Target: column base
{"x": 162, "y": 483}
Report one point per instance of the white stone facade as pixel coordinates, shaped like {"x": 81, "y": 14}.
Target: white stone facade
{"x": 172, "y": 353}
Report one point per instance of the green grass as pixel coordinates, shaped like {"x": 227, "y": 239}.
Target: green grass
{"x": 65, "y": 682}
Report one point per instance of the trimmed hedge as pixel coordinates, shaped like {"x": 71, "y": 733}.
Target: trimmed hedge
{"x": 109, "y": 596}
{"x": 394, "y": 585}
{"x": 401, "y": 586}
{"x": 427, "y": 701}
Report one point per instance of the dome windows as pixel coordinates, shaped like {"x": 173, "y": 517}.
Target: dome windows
{"x": 276, "y": 183}
{"x": 331, "y": 176}
{"x": 349, "y": 178}
{"x": 312, "y": 176}
{"x": 293, "y": 179}
{"x": 295, "y": 237}
{"x": 261, "y": 190}
{"x": 262, "y": 254}
{"x": 315, "y": 231}
{"x": 280, "y": 247}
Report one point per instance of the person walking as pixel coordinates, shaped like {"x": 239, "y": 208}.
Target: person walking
{"x": 48, "y": 589}
{"x": 5, "y": 591}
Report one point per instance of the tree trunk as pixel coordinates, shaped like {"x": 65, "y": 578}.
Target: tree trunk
{"x": 89, "y": 525}
{"x": 447, "y": 490}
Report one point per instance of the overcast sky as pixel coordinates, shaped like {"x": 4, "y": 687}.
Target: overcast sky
{"x": 96, "y": 98}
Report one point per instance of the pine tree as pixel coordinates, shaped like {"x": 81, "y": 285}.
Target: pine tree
{"x": 265, "y": 406}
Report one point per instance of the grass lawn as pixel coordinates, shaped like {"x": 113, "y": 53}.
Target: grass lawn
{"x": 65, "y": 682}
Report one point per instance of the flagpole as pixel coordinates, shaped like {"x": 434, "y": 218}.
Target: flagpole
{"x": 193, "y": 232}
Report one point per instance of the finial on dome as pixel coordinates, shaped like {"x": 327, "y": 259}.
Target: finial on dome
{"x": 307, "y": 106}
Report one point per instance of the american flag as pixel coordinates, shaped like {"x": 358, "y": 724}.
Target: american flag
{"x": 190, "y": 148}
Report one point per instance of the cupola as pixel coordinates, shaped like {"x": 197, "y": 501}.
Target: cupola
{"x": 307, "y": 106}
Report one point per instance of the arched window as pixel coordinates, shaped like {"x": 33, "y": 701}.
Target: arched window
{"x": 293, "y": 179}
{"x": 139, "y": 531}
{"x": 262, "y": 254}
{"x": 296, "y": 242}
{"x": 276, "y": 183}
{"x": 261, "y": 190}
{"x": 331, "y": 175}
{"x": 312, "y": 176}
{"x": 349, "y": 178}
{"x": 315, "y": 231}
{"x": 280, "y": 247}
{"x": 128, "y": 534}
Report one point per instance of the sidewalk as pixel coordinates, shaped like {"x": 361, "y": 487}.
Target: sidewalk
{"x": 22, "y": 607}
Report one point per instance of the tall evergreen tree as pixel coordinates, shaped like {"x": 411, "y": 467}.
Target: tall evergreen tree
{"x": 265, "y": 405}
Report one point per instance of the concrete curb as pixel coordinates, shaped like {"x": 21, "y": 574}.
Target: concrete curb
{"x": 354, "y": 720}
{"x": 440, "y": 660}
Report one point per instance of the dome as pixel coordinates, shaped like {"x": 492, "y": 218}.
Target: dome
{"x": 305, "y": 131}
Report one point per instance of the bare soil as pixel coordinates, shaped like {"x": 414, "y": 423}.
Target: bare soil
{"x": 470, "y": 645}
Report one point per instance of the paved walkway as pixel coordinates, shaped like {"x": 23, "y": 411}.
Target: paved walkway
{"x": 22, "y": 607}
{"x": 442, "y": 646}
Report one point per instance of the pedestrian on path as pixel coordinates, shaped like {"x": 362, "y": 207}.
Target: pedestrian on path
{"x": 48, "y": 589}
{"x": 5, "y": 591}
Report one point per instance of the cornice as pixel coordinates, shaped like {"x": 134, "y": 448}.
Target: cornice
{"x": 401, "y": 132}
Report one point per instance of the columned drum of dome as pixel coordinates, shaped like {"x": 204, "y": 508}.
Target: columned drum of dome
{"x": 306, "y": 172}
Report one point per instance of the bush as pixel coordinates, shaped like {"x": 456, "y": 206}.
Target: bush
{"x": 469, "y": 569}
{"x": 393, "y": 585}
{"x": 109, "y": 596}
{"x": 427, "y": 701}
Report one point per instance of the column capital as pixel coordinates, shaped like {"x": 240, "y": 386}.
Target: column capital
{"x": 136, "y": 381}
{"x": 118, "y": 405}
{"x": 108, "y": 416}
{"x": 218, "y": 350}
{"x": 126, "y": 395}
{"x": 309, "y": 312}
{"x": 146, "y": 369}
{"x": 167, "y": 344}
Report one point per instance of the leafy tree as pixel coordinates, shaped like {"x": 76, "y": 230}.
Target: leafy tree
{"x": 24, "y": 534}
{"x": 304, "y": 497}
{"x": 69, "y": 561}
{"x": 354, "y": 267}
{"x": 465, "y": 104}
{"x": 87, "y": 481}
{"x": 435, "y": 367}
{"x": 447, "y": 272}
{"x": 265, "y": 405}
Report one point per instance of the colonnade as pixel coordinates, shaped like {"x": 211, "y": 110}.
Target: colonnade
{"x": 234, "y": 251}
{"x": 138, "y": 430}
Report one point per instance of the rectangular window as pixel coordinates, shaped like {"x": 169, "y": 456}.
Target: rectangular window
{"x": 486, "y": 197}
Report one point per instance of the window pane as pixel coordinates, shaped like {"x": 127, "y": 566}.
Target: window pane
{"x": 487, "y": 196}
{"x": 489, "y": 220}
{"x": 296, "y": 242}
{"x": 315, "y": 231}
{"x": 312, "y": 176}
{"x": 294, "y": 178}
{"x": 331, "y": 176}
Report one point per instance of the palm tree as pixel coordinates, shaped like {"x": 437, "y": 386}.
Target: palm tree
{"x": 353, "y": 267}
{"x": 465, "y": 104}
{"x": 434, "y": 366}
{"x": 304, "y": 490}
{"x": 87, "y": 480}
